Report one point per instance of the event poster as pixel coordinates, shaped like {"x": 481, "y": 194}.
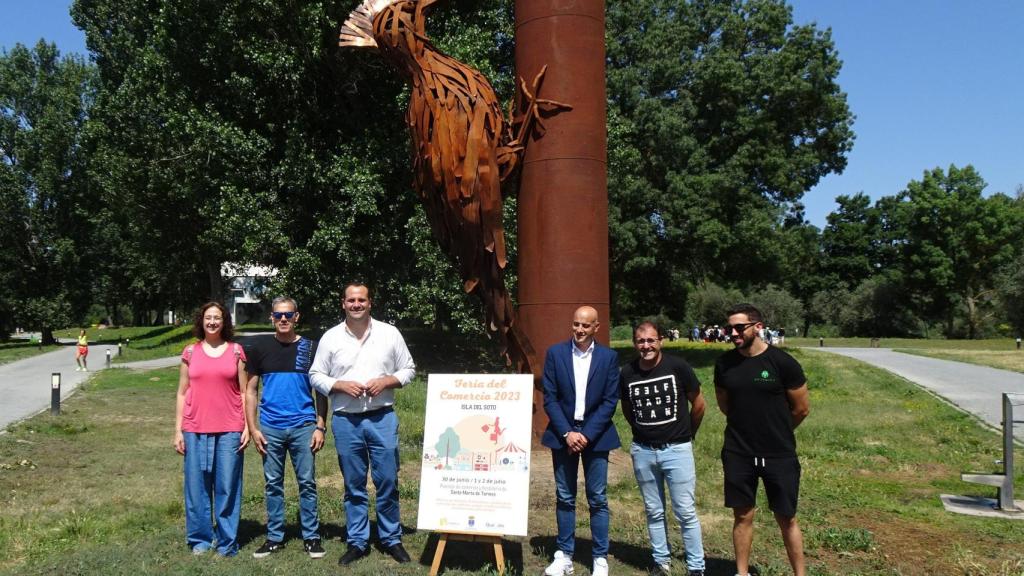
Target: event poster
{"x": 476, "y": 453}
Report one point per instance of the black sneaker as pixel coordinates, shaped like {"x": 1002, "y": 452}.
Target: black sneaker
{"x": 397, "y": 551}
{"x": 268, "y": 548}
{"x": 696, "y": 573}
{"x": 313, "y": 548}
{"x": 659, "y": 570}
{"x": 352, "y": 554}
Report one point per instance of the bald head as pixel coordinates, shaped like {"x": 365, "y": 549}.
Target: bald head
{"x": 584, "y": 326}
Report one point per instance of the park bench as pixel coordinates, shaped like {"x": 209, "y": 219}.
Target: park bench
{"x": 1002, "y": 480}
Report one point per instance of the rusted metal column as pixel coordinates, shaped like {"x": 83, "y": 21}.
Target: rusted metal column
{"x": 563, "y": 196}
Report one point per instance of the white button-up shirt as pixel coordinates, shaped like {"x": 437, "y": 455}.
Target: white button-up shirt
{"x": 342, "y": 356}
{"x": 581, "y": 370}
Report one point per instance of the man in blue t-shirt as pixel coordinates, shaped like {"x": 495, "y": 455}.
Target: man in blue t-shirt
{"x": 291, "y": 421}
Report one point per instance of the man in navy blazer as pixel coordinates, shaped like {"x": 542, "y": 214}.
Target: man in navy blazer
{"x": 581, "y": 390}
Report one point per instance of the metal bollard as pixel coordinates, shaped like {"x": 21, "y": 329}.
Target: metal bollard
{"x": 108, "y": 357}
{"x": 821, "y": 342}
{"x": 119, "y": 349}
{"x": 1002, "y": 480}
{"x": 55, "y": 394}
{"x": 1018, "y": 342}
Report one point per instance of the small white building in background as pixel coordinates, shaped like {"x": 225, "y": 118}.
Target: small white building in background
{"x": 247, "y": 286}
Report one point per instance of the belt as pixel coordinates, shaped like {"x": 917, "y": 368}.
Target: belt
{"x": 374, "y": 412}
{"x": 577, "y": 423}
{"x": 656, "y": 445}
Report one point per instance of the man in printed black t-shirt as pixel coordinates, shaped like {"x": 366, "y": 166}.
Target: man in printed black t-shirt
{"x": 662, "y": 402}
{"x": 291, "y": 420}
{"x": 763, "y": 393}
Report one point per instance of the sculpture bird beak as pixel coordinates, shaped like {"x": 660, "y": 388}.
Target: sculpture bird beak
{"x": 357, "y": 31}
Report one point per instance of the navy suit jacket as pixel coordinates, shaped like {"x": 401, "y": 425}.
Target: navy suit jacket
{"x": 560, "y": 397}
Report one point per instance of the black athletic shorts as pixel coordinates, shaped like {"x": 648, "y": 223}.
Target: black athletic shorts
{"x": 781, "y": 477}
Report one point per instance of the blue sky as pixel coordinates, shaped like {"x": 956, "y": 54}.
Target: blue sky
{"x": 932, "y": 82}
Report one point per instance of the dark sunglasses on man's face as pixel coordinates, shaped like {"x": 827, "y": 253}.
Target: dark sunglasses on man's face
{"x": 279, "y": 315}
{"x": 739, "y": 328}
{"x": 639, "y": 341}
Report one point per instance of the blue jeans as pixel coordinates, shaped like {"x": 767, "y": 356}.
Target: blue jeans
{"x": 595, "y": 473}
{"x": 294, "y": 441}
{"x": 213, "y": 470}
{"x": 369, "y": 442}
{"x": 673, "y": 465}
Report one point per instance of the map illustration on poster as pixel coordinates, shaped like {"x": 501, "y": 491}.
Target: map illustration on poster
{"x": 476, "y": 454}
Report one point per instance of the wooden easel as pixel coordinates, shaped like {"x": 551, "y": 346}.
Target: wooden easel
{"x": 495, "y": 539}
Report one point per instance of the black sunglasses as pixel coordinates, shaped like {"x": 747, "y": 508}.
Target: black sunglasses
{"x": 739, "y": 328}
{"x": 646, "y": 340}
{"x": 279, "y": 315}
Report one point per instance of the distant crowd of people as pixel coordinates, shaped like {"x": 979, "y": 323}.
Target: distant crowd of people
{"x": 715, "y": 333}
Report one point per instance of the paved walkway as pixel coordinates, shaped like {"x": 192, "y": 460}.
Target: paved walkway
{"x": 975, "y": 389}
{"x": 25, "y": 384}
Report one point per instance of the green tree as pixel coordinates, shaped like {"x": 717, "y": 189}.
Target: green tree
{"x": 448, "y": 444}
{"x": 1010, "y": 287}
{"x": 779, "y": 307}
{"x": 722, "y": 114}
{"x": 849, "y": 240}
{"x": 238, "y": 131}
{"x": 955, "y": 242}
{"x": 44, "y": 189}
{"x": 825, "y": 309}
{"x": 707, "y": 303}
{"x": 799, "y": 261}
{"x": 875, "y": 308}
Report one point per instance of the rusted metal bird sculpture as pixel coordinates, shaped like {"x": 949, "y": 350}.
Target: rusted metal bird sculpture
{"x": 462, "y": 150}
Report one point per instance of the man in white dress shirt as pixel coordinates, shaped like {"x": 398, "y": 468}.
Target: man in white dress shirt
{"x": 358, "y": 365}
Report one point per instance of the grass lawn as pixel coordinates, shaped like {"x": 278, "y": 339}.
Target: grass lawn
{"x": 145, "y": 342}
{"x": 98, "y": 489}
{"x": 994, "y": 344}
{"x": 17, "y": 350}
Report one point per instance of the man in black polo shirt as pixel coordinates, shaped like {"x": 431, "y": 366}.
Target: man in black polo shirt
{"x": 763, "y": 393}
{"x": 655, "y": 390}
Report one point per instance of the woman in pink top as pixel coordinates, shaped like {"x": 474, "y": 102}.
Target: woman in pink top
{"x": 210, "y": 431}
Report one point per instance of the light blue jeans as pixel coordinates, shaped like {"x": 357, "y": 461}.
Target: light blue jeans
{"x": 369, "y": 443}
{"x": 672, "y": 465}
{"x": 595, "y": 474}
{"x": 213, "y": 470}
{"x": 294, "y": 441}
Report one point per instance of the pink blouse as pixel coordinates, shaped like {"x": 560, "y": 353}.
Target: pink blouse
{"x": 213, "y": 401}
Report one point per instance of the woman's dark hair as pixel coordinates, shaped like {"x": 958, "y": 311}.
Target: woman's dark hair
{"x": 227, "y": 330}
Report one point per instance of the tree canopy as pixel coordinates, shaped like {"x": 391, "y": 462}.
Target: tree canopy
{"x": 722, "y": 115}
{"x": 203, "y": 133}
{"x": 45, "y": 196}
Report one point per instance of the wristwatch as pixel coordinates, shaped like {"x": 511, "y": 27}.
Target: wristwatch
{"x": 322, "y": 429}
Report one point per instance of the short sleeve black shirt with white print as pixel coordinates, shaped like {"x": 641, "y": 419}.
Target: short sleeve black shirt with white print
{"x": 654, "y": 401}
{"x": 759, "y": 422}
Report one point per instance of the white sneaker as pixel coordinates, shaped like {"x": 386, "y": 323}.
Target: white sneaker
{"x": 600, "y": 567}
{"x": 560, "y": 566}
